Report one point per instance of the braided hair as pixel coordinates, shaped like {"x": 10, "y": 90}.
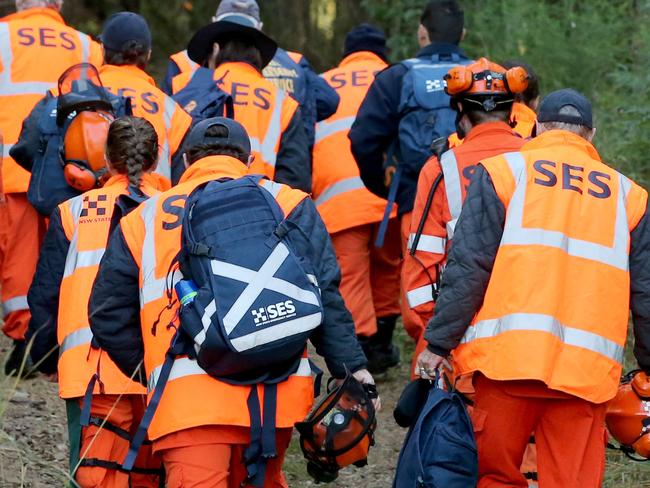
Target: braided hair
{"x": 132, "y": 148}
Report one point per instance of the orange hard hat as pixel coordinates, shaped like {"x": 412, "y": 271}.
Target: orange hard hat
{"x": 340, "y": 430}
{"x": 628, "y": 414}
{"x": 484, "y": 80}
{"x": 84, "y": 146}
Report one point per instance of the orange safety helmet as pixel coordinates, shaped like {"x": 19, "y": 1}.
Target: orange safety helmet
{"x": 340, "y": 430}
{"x": 486, "y": 83}
{"x": 84, "y": 143}
{"x": 628, "y": 415}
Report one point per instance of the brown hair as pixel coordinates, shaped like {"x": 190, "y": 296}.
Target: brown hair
{"x": 239, "y": 50}
{"x": 133, "y": 54}
{"x": 132, "y": 147}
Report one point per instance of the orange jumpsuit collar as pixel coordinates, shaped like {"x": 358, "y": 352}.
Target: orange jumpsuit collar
{"x": 491, "y": 128}
{"x": 559, "y": 137}
{"x": 361, "y": 56}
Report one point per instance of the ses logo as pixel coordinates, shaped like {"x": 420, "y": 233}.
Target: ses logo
{"x": 274, "y": 313}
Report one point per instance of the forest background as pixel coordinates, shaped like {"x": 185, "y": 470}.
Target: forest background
{"x": 600, "y": 47}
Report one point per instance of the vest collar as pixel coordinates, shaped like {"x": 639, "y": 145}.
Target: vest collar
{"x": 121, "y": 182}
{"x": 361, "y": 56}
{"x": 521, "y": 111}
{"x": 236, "y": 67}
{"x": 33, "y": 12}
{"x": 215, "y": 167}
{"x": 129, "y": 70}
{"x": 489, "y": 128}
{"x": 562, "y": 138}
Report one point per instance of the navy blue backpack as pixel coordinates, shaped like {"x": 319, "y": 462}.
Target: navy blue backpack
{"x": 439, "y": 450}
{"x": 203, "y": 99}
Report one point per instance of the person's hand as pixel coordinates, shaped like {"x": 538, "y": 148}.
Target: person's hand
{"x": 364, "y": 377}
{"x": 427, "y": 364}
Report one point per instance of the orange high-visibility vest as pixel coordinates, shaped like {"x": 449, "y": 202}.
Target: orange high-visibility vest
{"x": 263, "y": 110}
{"x": 191, "y": 397}
{"x": 36, "y": 47}
{"x": 340, "y": 196}
{"x": 86, "y": 221}
{"x": 183, "y": 61}
{"x": 524, "y": 119}
{"x": 557, "y": 304}
{"x": 457, "y": 166}
{"x": 149, "y": 102}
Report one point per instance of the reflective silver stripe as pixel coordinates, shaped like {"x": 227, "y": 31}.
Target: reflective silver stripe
{"x": 205, "y": 322}
{"x": 272, "y": 334}
{"x": 533, "y": 322}
{"x": 83, "y": 259}
{"x": 7, "y": 86}
{"x": 325, "y": 129}
{"x": 348, "y": 184}
{"x": 428, "y": 243}
{"x": 164, "y": 162}
{"x": 79, "y": 337}
{"x": 5, "y": 150}
{"x": 15, "y": 304}
{"x": 273, "y": 132}
{"x": 453, "y": 189}
{"x": 72, "y": 258}
{"x": 152, "y": 289}
{"x": 515, "y": 233}
{"x": 272, "y": 187}
{"x": 193, "y": 65}
{"x": 188, "y": 367}
{"x": 85, "y": 47}
{"x": 419, "y": 296}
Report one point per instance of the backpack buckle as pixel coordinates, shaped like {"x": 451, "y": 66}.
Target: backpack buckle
{"x": 199, "y": 249}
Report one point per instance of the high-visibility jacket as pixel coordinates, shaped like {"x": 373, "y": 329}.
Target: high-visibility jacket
{"x": 183, "y": 62}
{"x": 149, "y": 102}
{"x": 36, "y": 47}
{"x": 260, "y": 107}
{"x": 524, "y": 119}
{"x": 152, "y": 233}
{"x": 340, "y": 196}
{"x": 457, "y": 165}
{"x": 86, "y": 221}
{"x": 556, "y": 308}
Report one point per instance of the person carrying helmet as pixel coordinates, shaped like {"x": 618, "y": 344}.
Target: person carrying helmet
{"x": 369, "y": 275}
{"x": 523, "y": 115}
{"x": 549, "y": 256}
{"x": 238, "y": 51}
{"x": 75, "y": 243}
{"x": 289, "y": 71}
{"x": 36, "y": 46}
{"x": 405, "y": 110}
{"x": 202, "y": 425}
{"x": 482, "y": 96}
{"x": 126, "y": 40}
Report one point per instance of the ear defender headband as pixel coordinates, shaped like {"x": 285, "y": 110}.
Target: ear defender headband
{"x": 80, "y": 177}
{"x": 461, "y": 79}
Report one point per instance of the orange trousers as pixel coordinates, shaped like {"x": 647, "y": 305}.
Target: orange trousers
{"x": 21, "y": 233}
{"x": 370, "y": 276}
{"x": 412, "y": 322}
{"x": 569, "y": 432}
{"x": 212, "y": 457}
{"x": 105, "y": 445}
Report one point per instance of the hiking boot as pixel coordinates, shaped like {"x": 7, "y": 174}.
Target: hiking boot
{"x": 379, "y": 349}
{"x": 15, "y": 361}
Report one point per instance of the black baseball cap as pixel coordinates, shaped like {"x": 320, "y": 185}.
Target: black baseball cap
{"x": 237, "y": 136}
{"x": 550, "y": 109}
{"x": 366, "y": 37}
{"x": 124, "y": 27}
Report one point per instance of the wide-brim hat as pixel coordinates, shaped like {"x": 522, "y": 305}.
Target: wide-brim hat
{"x": 201, "y": 44}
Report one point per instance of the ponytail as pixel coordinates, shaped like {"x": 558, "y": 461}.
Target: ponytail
{"x": 132, "y": 148}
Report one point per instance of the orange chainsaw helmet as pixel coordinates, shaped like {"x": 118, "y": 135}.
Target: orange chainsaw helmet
{"x": 340, "y": 430}
{"x": 84, "y": 143}
{"x": 628, "y": 415}
{"x": 486, "y": 83}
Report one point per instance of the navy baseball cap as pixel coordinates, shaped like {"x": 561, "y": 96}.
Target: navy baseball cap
{"x": 245, "y": 12}
{"x": 124, "y": 27}
{"x": 237, "y": 136}
{"x": 366, "y": 37}
{"x": 550, "y": 109}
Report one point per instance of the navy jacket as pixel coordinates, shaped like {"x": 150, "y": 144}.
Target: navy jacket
{"x": 377, "y": 124}
{"x": 117, "y": 329}
{"x": 471, "y": 260}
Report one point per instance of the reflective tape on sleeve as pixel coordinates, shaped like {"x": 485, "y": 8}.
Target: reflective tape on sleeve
{"x": 532, "y": 322}
{"x": 428, "y": 243}
{"x": 338, "y": 188}
{"x": 419, "y": 296}
{"x": 273, "y": 132}
{"x": 79, "y": 337}
{"x": 15, "y": 304}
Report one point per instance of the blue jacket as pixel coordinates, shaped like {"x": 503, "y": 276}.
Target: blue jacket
{"x": 377, "y": 126}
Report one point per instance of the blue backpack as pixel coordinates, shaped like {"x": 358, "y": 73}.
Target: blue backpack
{"x": 47, "y": 185}
{"x": 439, "y": 450}
{"x": 203, "y": 99}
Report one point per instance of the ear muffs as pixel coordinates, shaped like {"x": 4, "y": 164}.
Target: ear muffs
{"x": 516, "y": 79}
{"x": 79, "y": 177}
{"x": 641, "y": 385}
{"x": 458, "y": 80}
